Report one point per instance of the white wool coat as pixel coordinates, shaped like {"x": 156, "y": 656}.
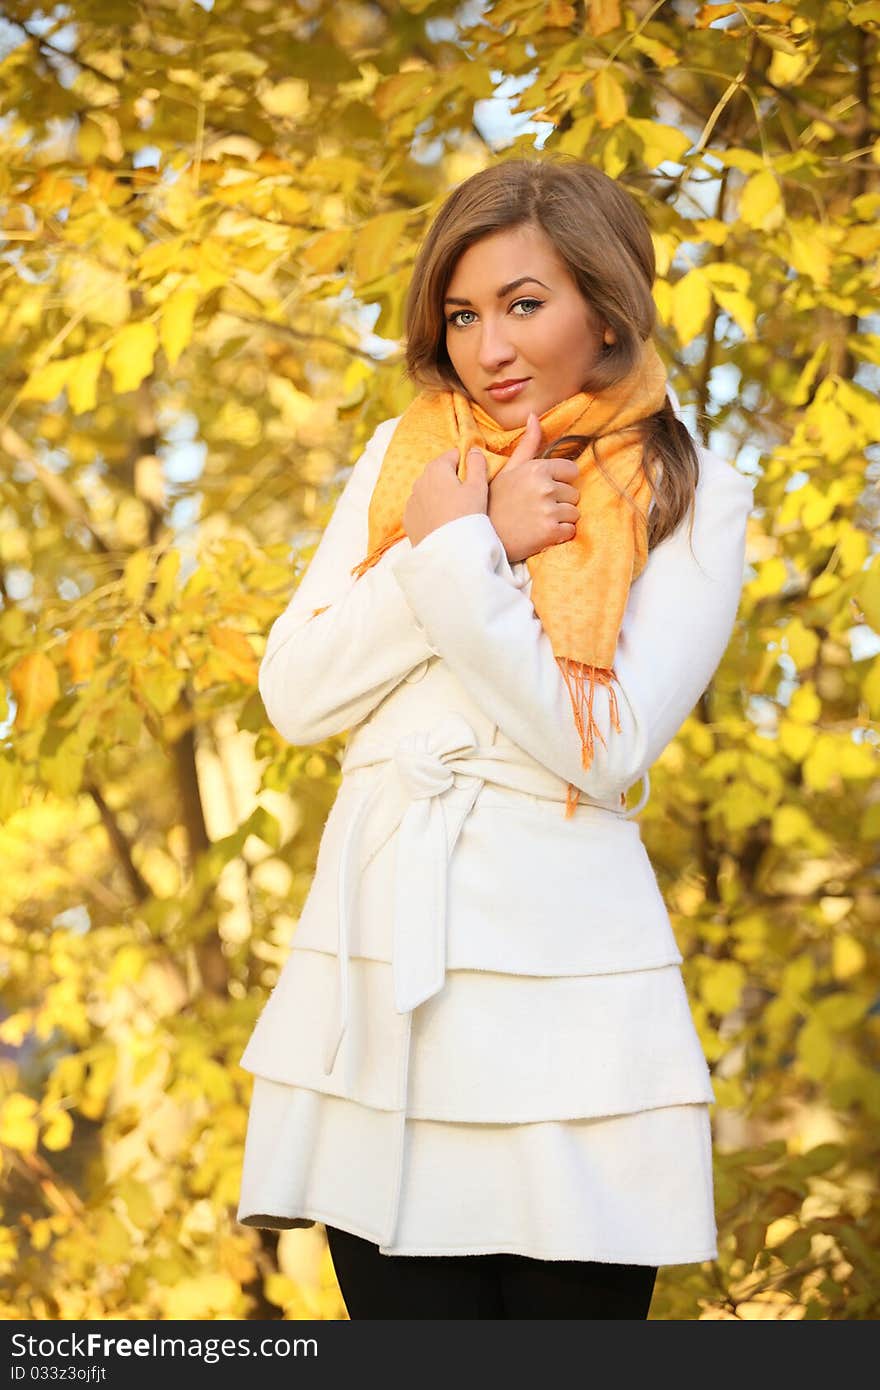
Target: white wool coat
{"x": 480, "y": 1039}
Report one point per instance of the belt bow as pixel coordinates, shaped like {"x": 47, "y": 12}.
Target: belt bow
{"x": 419, "y": 772}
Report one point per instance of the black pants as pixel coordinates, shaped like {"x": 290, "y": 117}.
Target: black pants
{"x": 500, "y": 1285}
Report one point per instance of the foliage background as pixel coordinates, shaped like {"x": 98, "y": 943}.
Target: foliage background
{"x": 207, "y": 220}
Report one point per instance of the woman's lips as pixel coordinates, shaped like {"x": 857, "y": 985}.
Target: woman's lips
{"x": 506, "y": 393}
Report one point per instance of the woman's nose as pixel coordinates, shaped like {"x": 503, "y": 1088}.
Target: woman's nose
{"x": 495, "y": 347}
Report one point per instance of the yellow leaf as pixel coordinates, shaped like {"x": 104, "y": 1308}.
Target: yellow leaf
{"x": 81, "y": 649}
{"x": 138, "y": 1200}
{"x": 740, "y": 806}
{"x": 707, "y": 15}
{"x": 15, "y": 1027}
{"x": 279, "y": 1289}
{"x": 795, "y": 740}
{"x": 810, "y": 255}
{"x": 127, "y": 964}
{"x": 239, "y": 62}
{"x": 848, "y": 957}
{"x": 161, "y": 685}
{"x": 99, "y": 291}
{"x": 130, "y": 356}
{"x": 862, "y": 405}
{"x": 790, "y": 825}
{"x": 871, "y": 688}
{"x": 858, "y": 760}
{"x": 770, "y": 578}
{"x": 659, "y": 142}
{"x": 295, "y": 407}
{"x": 559, "y": 14}
{"x": 110, "y": 1238}
{"x": 665, "y": 247}
{"x": 34, "y": 683}
{"x": 815, "y": 1049}
{"x": 208, "y": 1294}
{"x": 58, "y": 1131}
{"x": 176, "y": 322}
{"x": 166, "y": 576}
{"x": 47, "y": 382}
{"x": 239, "y": 424}
{"x": 830, "y": 427}
{"x": 691, "y": 303}
{"x": 868, "y": 595}
{"x": 8, "y": 1249}
{"x": 663, "y": 299}
{"x": 376, "y": 244}
{"x": 328, "y": 250}
{"x": 610, "y": 98}
{"x": 862, "y": 242}
{"x": 239, "y": 657}
{"x": 738, "y": 306}
{"x": 821, "y": 766}
{"x": 659, "y": 53}
{"x": 840, "y": 1010}
{"x": 62, "y": 769}
{"x": 801, "y": 393}
{"x": 786, "y": 69}
{"x": 760, "y": 203}
{"x": 802, "y": 643}
{"x": 18, "y": 1122}
{"x": 213, "y": 264}
{"x": 288, "y": 98}
{"x": 798, "y": 976}
{"x": 853, "y": 546}
{"x": 805, "y": 706}
{"x": 11, "y": 784}
{"x": 132, "y": 521}
{"x": 160, "y": 256}
{"x": 722, "y": 984}
{"x": 401, "y": 91}
{"x": 82, "y": 384}
{"x": 138, "y": 568}
{"x": 817, "y": 506}
{"x": 868, "y": 12}
{"x": 604, "y": 17}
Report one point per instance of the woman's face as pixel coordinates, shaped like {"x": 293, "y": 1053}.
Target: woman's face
{"x": 542, "y": 330}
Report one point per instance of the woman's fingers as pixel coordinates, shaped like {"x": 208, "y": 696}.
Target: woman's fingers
{"x": 529, "y": 447}
{"x": 566, "y": 512}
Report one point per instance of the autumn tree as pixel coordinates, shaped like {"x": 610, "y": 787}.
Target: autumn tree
{"x": 208, "y": 218}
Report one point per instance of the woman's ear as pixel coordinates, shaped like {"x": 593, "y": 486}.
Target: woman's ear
{"x": 610, "y": 337}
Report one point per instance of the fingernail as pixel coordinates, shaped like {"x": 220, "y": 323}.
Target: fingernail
{"x": 474, "y": 450}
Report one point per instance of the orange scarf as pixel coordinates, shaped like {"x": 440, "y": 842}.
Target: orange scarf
{"x": 580, "y": 587}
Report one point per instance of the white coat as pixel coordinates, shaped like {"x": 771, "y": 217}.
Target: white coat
{"x": 480, "y": 1039}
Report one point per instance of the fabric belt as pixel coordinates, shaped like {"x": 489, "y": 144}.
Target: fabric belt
{"x": 421, "y": 767}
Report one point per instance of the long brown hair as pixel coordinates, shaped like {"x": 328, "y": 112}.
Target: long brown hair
{"x": 602, "y": 235}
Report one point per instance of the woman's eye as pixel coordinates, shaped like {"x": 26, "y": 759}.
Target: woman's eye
{"x": 454, "y": 318}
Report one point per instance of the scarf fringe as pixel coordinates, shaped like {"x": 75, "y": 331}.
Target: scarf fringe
{"x": 376, "y": 555}
{"x": 581, "y": 680}
{"x": 367, "y": 563}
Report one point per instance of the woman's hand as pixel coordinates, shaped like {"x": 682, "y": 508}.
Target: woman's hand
{"x": 438, "y": 496}
{"x": 532, "y": 503}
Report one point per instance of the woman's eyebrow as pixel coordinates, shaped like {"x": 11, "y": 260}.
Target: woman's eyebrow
{"x": 505, "y": 289}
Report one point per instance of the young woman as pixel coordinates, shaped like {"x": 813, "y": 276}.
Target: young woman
{"x": 478, "y": 1067}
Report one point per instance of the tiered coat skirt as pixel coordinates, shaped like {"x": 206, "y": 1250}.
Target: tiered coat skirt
{"x": 558, "y": 1115}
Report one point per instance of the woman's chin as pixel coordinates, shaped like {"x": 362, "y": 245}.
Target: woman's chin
{"x": 509, "y": 413}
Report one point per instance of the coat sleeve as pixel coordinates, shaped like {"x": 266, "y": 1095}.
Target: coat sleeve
{"x": 321, "y": 675}
{"x": 676, "y": 627}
